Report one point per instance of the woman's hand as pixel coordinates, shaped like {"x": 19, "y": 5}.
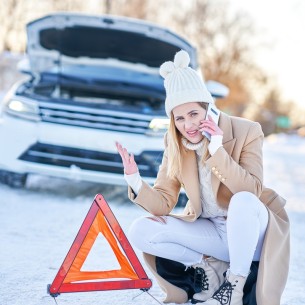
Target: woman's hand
{"x": 130, "y": 166}
{"x": 210, "y": 127}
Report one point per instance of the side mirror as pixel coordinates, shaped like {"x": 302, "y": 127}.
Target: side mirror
{"x": 217, "y": 89}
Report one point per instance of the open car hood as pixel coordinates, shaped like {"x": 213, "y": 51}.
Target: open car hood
{"x": 65, "y": 39}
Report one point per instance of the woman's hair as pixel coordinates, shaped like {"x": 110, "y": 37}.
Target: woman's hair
{"x": 175, "y": 147}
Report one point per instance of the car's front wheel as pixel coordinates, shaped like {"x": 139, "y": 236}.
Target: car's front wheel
{"x": 182, "y": 200}
{"x": 12, "y": 179}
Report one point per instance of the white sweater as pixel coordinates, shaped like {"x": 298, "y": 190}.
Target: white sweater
{"x": 209, "y": 206}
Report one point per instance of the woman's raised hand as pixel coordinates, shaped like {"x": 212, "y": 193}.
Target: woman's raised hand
{"x": 130, "y": 166}
{"x": 210, "y": 126}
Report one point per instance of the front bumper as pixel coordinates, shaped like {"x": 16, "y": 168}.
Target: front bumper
{"x": 74, "y": 152}
{"x": 89, "y": 160}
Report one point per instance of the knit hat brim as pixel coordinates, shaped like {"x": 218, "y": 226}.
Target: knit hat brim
{"x": 186, "y": 96}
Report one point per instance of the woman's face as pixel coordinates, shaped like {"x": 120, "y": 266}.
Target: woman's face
{"x": 187, "y": 119}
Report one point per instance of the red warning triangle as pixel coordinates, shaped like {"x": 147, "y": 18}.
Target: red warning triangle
{"x": 70, "y": 278}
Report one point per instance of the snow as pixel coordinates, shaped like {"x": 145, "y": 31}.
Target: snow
{"x": 39, "y": 224}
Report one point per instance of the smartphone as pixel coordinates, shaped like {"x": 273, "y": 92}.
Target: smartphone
{"x": 214, "y": 113}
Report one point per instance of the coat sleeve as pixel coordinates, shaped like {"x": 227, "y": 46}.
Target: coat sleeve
{"x": 245, "y": 173}
{"x": 160, "y": 199}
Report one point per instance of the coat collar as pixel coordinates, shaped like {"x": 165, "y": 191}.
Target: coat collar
{"x": 228, "y": 143}
{"x": 190, "y": 173}
{"x": 225, "y": 125}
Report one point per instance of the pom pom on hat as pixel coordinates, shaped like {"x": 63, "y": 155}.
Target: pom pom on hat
{"x": 182, "y": 83}
{"x": 166, "y": 68}
{"x": 182, "y": 59}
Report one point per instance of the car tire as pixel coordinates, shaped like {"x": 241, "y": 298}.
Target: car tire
{"x": 182, "y": 200}
{"x": 12, "y": 179}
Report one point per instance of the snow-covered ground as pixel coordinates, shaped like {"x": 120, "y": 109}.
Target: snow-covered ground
{"x": 39, "y": 224}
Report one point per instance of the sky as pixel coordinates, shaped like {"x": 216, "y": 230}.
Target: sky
{"x": 283, "y": 21}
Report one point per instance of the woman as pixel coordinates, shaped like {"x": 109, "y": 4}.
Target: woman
{"x": 230, "y": 220}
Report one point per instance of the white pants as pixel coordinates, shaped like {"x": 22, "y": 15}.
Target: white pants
{"x": 237, "y": 239}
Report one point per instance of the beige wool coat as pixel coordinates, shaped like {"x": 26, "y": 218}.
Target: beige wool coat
{"x": 237, "y": 166}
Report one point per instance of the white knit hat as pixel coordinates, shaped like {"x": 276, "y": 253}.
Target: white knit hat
{"x": 182, "y": 83}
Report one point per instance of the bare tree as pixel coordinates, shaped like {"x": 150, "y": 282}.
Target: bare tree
{"x": 268, "y": 111}
{"x": 12, "y": 15}
{"x": 141, "y": 9}
{"x": 226, "y": 40}
{"x": 67, "y": 5}
{"x": 226, "y": 45}
{"x": 108, "y": 7}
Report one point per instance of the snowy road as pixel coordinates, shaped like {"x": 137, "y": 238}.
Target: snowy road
{"x": 39, "y": 224}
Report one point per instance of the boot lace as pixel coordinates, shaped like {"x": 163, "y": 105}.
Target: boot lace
{"x": 201, "y": 279}
{"x": 224, "y": 294}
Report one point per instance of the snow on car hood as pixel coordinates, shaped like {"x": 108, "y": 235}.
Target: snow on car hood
{"x": 74, "y": 39}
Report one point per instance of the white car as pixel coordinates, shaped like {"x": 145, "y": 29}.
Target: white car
{"x": 93, "y": 80}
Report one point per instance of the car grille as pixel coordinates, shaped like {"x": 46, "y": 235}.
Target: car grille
{"x": 95, "y": 118}
{"x": 148, "y": 161}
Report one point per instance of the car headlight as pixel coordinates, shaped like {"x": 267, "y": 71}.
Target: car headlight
{"x": 158, "y": 126}
{"x": 24, "y": 109}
